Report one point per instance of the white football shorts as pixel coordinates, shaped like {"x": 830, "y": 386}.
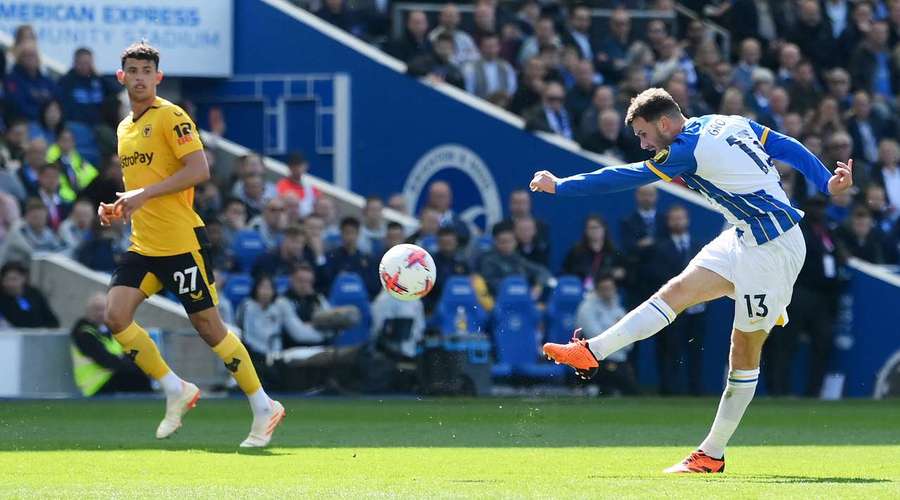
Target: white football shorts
{"x": 763, "y": 276}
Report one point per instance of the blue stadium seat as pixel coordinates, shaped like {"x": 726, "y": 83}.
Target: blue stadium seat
{"x": 237, "y": 288}
{"x": 562, "y": 308}
{"x": 282, "y": 283}
{"x": 516, "y": 320}
{"x": 247, "y": 246}
{"x": 348, "y": 289}
{"x": 458, "y": 292}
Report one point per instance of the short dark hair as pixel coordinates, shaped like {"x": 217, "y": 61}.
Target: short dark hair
{"x": 447, "y": 231}
{"x": 651, "y": 105}
{"x": 13, "y": 265}
{"x": 296, "y": 158}
{"x": 82, "y": 51}
{"x": 394, "y": 225}
{"x": 502, "y": 227}
{"x": 350, "y": 222}
{"x": 142, "y": 51}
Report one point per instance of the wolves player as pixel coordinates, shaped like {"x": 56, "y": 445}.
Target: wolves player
{"x": 162, "y": 160}
{"x": 727, "y": 159}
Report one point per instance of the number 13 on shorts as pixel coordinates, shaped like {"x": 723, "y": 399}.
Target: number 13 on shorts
{"x": 756, "y": 306}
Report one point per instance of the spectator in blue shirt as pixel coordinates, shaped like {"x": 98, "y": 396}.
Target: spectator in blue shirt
{"x": 27, "y": 88}
{"x": 82, "y": 90}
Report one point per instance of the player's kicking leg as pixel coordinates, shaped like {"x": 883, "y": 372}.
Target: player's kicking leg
{"x": 181, "y": 396}
{"x": 693, "y": 286}
{"x": 746, "y": 349}
{"x": 267, "y": 413}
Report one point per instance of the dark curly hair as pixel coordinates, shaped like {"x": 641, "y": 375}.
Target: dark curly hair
{"x": 142, "y": 51}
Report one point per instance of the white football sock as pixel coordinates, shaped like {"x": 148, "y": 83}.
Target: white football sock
{"x": 171, "y": 384}
{"x": 643, "y": 321}
{"x": 259, "y": 402}
{"x": 738, "y": 393}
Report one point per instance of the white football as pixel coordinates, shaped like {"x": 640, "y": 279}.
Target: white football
{"x": 407, "y": 272}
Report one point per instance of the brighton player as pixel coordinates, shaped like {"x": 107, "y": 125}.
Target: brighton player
{"x": 162, "y": 160}
{"x": 727, "y": 159}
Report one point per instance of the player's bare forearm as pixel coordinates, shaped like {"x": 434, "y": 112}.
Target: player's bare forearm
{"x": 194, "y": 172}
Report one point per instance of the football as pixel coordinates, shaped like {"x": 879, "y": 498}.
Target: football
{"x": 407, "y": 272}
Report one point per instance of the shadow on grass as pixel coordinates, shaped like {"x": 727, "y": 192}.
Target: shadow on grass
{"x": 763, "y": 478}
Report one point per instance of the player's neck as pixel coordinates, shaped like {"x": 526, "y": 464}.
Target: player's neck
{"x": 138, "y": 108}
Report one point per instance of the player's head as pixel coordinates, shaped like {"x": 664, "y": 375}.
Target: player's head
{"x": 655, "y": 117}
{"x": 140, "y": 72}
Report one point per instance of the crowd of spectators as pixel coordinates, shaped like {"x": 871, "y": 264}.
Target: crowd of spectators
{"x": 824, "y": 72}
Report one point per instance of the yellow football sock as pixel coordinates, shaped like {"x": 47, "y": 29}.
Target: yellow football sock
{"x": 238, "y": 362}
{"x": 142, "y": 350}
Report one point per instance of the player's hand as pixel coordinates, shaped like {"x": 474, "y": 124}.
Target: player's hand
{"x": 842, "y": 179}
{"x": 107, "y": 213}
{"x": 543, "y": 182}
{"x": 129, "y": 202}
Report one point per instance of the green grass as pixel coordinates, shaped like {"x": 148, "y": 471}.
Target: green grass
{"x": 448, "y": 448}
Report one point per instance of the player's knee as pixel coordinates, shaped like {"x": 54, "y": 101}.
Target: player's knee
{"x": 675, "y": 293}
{"x": 116, "y": 319}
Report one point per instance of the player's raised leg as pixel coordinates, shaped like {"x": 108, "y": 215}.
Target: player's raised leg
{"x": 181, "y": 396}
{"x": 693, "y": 286}
{"x": 267, "y": 413}
{"x": 746, "y": 349}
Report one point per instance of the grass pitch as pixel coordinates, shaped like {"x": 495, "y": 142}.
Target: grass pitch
{"x": 448, "y": 448}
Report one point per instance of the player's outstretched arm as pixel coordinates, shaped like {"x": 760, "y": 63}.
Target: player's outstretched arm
{"x": 194, "y": 171}
{"x": 604, "y": 180}
{"x": 789, "y": 150}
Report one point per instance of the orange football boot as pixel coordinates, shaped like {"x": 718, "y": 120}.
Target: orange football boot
{"x": 698, "y": 462}
{"x": 575, "y": 354}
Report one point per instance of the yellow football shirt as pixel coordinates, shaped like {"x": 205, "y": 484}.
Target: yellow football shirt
{"x": 150, "y": 149}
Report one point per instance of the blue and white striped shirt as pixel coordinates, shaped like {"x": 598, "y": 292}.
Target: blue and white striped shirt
{"x": 727, "y": 159}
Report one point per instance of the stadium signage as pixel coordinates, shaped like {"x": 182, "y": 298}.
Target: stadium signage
{"x": 195, "y": 36}
{"x": 455, "y": 156}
